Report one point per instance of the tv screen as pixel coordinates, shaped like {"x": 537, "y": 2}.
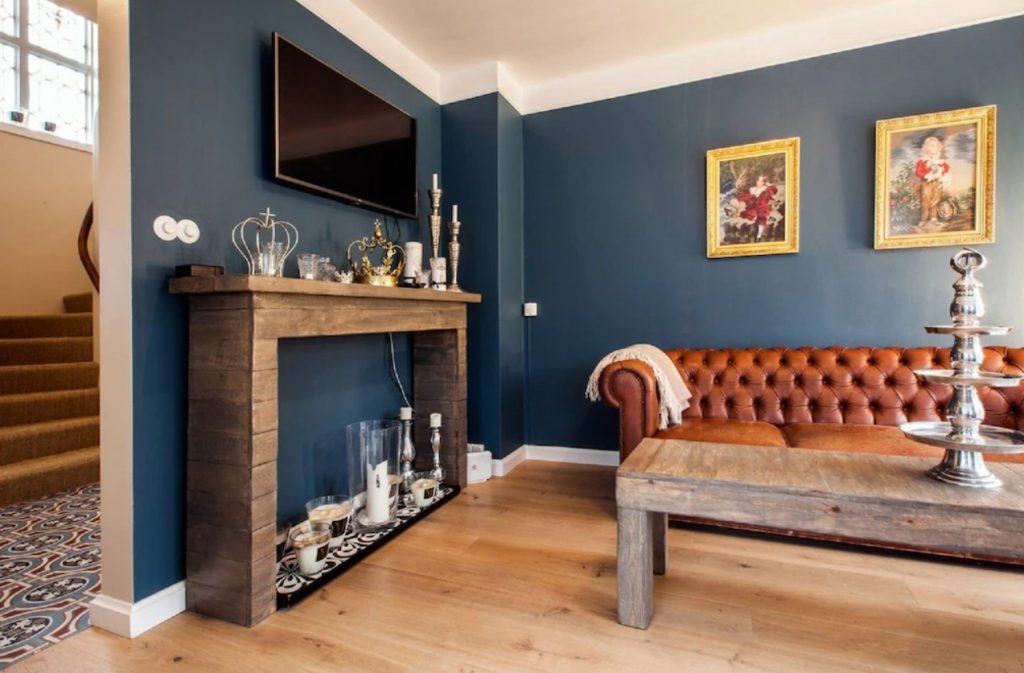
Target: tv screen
{"x": 336, "y": 138}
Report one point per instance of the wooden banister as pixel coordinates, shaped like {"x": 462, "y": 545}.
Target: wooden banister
{"x": 83, "y": 249}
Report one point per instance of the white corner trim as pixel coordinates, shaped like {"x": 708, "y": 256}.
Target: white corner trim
{"x": 133, "y": 619}
{"x": 499, "y": 468}
{"x": 356, "y": 25}
{"x": 480, "y": 80}
{"x": 864, "y": 27}
{"x": 509, "y": 87}
{"x": 568, "y": 454}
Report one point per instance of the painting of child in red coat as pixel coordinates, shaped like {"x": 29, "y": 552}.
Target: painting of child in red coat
{"x": 931, "y": 171}
{"x": 751, "y": 199}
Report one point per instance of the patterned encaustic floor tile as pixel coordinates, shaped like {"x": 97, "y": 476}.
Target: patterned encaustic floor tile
{"x": 49, "y": 570}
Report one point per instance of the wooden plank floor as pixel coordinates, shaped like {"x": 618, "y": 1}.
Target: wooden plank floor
{"x": 518, "y": 574}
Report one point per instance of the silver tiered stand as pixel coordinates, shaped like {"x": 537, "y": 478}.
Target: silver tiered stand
{"x": 962, "y": 435}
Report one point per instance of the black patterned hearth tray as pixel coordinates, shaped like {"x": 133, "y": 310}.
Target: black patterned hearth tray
{"x": 292, "y": 587}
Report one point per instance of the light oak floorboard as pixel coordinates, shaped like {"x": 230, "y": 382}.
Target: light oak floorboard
{"x": 518, "y": 574}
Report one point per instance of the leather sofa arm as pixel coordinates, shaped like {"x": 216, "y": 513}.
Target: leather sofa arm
{"x": 630, "y": 387}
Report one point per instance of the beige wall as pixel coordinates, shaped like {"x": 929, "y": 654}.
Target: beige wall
{"x": 44, "y": 191}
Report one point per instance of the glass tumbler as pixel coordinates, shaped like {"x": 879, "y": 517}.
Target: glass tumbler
{"x": 271, "y": 260}
{"x": 375, "y": 470}
{"x": 309, "y": 265}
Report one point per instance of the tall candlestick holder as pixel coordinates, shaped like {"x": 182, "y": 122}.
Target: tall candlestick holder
{"x": 962, "y": 435}
{"x": 453, "y": 253}
{"x": 408, "y": 451}
{"x": 435, "y": 221}
{"x": 437, "y": 472}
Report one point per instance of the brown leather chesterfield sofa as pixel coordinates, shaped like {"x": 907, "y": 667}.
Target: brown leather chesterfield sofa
{"x": 837, "y": 398}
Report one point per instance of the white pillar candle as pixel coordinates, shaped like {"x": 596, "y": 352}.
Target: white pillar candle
{"x": 405, "y": 414}
{"x": 455, "y": 213}
{"x": 435, "y": 420}
{"x": 438, "y": 270}
{"x": 378, "y": 488}
{"x": 433, "y": 183}
{"x": 413, "y": 259}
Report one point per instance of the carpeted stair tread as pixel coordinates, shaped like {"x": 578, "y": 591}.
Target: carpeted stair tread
{"x": 78, "y": 303}
{"x": 46, "y": 349}
{"x": 39, "y": 378}
{"x": 38, "y": 477}
{"x": 35, "y": 440}
{"x": 61, "y": 325}
{"x": 26, "y": 408}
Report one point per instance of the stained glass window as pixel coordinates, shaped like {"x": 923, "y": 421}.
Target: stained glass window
{"x": 8, "y": 77}
{"x": 57, "y": 29}
{"x": 59, "y": 96}
{"x": 8, "y": 19}
{"x": 57, "y": 47}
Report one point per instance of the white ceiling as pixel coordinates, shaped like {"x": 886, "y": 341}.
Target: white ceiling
{"x": 543, "y": 54}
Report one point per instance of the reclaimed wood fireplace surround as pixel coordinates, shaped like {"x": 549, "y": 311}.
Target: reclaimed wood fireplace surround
{"x": 235, "y": 322}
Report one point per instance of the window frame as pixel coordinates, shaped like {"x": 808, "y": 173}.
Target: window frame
{"x": 23, "y": 95}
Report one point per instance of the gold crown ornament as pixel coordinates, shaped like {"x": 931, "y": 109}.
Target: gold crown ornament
{"x": 388, "y": 271}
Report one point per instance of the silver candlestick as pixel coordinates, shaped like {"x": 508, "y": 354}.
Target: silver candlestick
{"x": 408, "y": 454}
{"x": 962, "y": 435}
{"x": 435, "y": 221}
{"x": 453, "y": 253}
{"x": 435, "y": 445}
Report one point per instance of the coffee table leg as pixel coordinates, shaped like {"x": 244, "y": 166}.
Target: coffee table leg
{"x": 635, "y": 568}
{"x": 659, "y": 528}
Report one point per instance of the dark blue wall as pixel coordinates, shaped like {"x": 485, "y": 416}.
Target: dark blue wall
{"x": 615, "y": 216}
{"x": 483, "y": 150}
{"x": 200, "y": 75}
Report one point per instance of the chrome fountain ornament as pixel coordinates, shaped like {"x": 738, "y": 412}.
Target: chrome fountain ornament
{"x": 273, "y": 241}
{"x": 962, "y": 435}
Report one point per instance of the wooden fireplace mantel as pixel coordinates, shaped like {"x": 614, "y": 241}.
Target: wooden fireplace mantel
{"x": 235, "y": 322}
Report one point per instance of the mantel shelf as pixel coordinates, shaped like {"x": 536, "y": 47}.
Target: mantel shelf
{"x": 236, "y": 283}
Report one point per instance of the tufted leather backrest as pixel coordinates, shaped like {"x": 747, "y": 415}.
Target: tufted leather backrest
{"x": 872, "y": 386}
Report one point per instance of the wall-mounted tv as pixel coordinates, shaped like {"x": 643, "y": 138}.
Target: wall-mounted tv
{"x": 334, "y": 137}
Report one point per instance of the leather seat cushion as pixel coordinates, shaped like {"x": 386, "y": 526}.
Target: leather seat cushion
{"x": 725, "y": 431}
{"x": 857, "y": 438}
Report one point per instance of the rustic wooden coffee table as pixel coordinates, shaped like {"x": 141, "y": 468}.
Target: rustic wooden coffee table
{"x": 834, "y": 494}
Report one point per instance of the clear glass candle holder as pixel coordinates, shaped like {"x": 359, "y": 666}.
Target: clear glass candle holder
{"x": 375, "y": 470}
{"x": 331, "y": 513}
{"x": 309, "y": 265}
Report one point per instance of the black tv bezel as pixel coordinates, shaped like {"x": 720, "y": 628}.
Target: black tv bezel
{"x": 320, "y": 189}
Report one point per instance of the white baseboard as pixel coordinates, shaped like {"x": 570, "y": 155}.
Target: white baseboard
{"x": 568, "y": 454}
{"x": 133, "y": 619}
{"x": 499, "y": 468}
{"x": 556, "y": 454}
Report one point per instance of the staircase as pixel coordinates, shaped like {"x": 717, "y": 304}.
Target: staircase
{"x": 49, "y": 403}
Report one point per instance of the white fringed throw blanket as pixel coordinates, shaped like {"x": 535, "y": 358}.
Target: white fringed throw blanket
{"x": 673, "y": 394}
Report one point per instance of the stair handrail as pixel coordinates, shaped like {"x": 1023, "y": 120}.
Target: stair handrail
{"x": 83, "y": 249}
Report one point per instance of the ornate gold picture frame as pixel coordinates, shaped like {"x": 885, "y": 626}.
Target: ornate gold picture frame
{"x": 754, "y": 199}
{"x": 935, "y": 179}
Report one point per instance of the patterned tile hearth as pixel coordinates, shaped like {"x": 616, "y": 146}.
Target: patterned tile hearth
{"x": 49, "y": 570}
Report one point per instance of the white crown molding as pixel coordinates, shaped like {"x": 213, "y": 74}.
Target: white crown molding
{"x": 480, "y": 80}
{"x": 133, "y": 619}
{"x": 864, "y": 27}
{"x": 869, "y": 26}
{"x": 357, "y": 26}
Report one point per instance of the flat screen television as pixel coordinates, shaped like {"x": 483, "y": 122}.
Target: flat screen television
{"x": 336, "y": 138}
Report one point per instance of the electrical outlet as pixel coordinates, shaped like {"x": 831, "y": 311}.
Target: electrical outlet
{"x": 530, "y": 309}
